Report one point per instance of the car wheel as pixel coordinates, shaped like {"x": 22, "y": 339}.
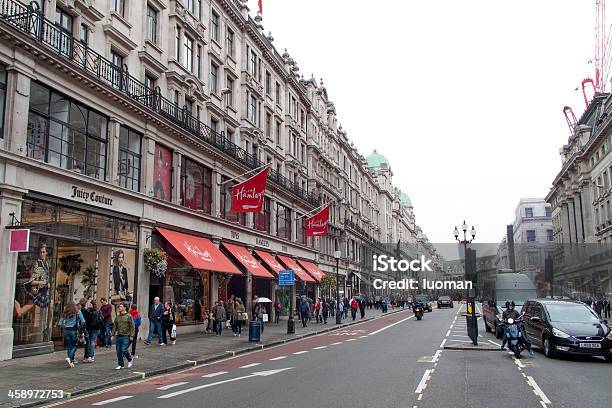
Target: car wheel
{"x": 548, "y": 348}
{"x": 608, "y": 357}
{"x": 487, "y": 328}
{"x": 498, "y": 333}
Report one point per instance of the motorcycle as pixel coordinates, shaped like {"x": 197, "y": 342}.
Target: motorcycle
{"x": 514, "y": 335}
{"x": 418, "y": 312}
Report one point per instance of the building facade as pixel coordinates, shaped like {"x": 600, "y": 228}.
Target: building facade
{"x": 124, "y": 126}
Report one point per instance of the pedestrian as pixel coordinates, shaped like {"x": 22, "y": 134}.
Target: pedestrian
{"x": 168, "y": 324}
{"x": 155, "y": 321}
{"x": 607, "y": 308}
{"x": 318, "y": 317}
{"x": 71, "y": 320}
{"x": 260, "y": 310}
{"x": 123, "y": 329}
{"x": 304, "y": 310}
{"x": 346, "y": 307}
{"x": 340, "y": 306}
{"x": 107, "y": 312}
{"x": 362, "y": 308}
{"x": 239, "y": 310}
{"x": 277, "y": 310}
{"x": 324, "y": 310}
{"x": 219, "y": 315}
{"x": 137, "y": 322}
{"x": 354, "y": 307}
{"x": 92, "y": 324}
{"x": 231, "y": 303}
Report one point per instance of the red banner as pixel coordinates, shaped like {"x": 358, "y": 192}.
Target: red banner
{"x": 248, "y": 196}
{"x": 260, "y": 7}
{"x": 317, "y": 224}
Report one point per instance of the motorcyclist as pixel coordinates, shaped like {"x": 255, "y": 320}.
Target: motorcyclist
{"x": 511, "y": 312}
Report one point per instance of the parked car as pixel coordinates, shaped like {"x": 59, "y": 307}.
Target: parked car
{"x": 445, "y": 301}
{"x": 425, "y": 300}
{"x": 566, "y": 327}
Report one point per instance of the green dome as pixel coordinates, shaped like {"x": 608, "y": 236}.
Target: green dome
{"x": 405, "y": 199}
{"x": 375, "y": 160}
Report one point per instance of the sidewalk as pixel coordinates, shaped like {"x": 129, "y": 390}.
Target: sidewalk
{"x": 49, "y": 371}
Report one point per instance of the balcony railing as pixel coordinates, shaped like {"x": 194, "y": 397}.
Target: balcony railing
{"x": 28, "y": 20}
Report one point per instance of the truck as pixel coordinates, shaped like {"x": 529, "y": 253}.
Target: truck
{"x": 507, "y": 285}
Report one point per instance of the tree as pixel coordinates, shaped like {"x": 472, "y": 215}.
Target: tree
{"x": 328, "y": 284}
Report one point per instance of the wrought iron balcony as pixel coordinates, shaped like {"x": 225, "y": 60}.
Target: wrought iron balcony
{"x": 28, "y": 20}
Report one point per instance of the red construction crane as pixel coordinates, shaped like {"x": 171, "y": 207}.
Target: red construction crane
{"x": 603, "y": 47}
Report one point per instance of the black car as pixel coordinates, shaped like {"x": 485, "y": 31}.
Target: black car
{"x": 425, "y": 300}
{"x": 566, "y": 327}
{"x": 445, "y": 301}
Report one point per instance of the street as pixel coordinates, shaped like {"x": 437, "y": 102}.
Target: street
{"x": 394, "y": 361}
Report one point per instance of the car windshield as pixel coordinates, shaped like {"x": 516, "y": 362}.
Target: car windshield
{"x": 444, "y": 298}
{"x": 571, "y": 313}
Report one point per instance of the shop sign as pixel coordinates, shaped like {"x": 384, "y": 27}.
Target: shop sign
{"x": 90, "y": 196}
{"x": 262, "y": 242}
{"x": 248, "y": 196}
{"x": 19, "y": 240}
{"x": 317, "y": 224}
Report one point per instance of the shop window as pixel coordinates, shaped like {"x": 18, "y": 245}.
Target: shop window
{"x": 262, "y": 219}
{"x": 301, "y": 230}
{"x": 66, "y": 134}
{"x": 226, "y": 203}
{"x": 283, "y": 221}
{"x": 129, "y": 158}
{"x": 2, "y": 98}
{"x": 196, "y": 186}
{"x": 162, "y": 189}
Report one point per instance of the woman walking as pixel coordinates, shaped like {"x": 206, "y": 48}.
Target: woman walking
{"x": 71, "y": 320}
{"x": 167, "y": 323}
{"x": 239, "y": 311}
{"x": 277, "y": 311}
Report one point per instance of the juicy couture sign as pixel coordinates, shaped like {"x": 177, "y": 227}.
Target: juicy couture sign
{"x": 248, "y": 196}
{"x": 90, "y": 196}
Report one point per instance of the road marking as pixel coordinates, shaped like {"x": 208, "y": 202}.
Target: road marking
{"x": 108, "y": 401}
{"x": 459, "y": 335}
{"x": 443, "y": 343}
{"x": 200, "y": 387}
{"x": 278, "y": 358}
{"x": 211, "y": 375}
{"x": 301, "y": 352}
{"x": 351, "y": 340}
{"x": 389, "y": 326}
{"x": 167, "y": 387}
{"x": 538, "y": 390}
{"x": 497, "y": 344}
{"x": 420, "y": 397}
{"x": 518, "y": 363}
{"x": 250, "y": 365}
{"x": 447, "y": 333}
{"x": 436, "y": 357}
{"x": 423, "y": 382}
{"x": 319, "y": 348}
{"x": 362, "y": 337}
{"x": 336, "y": 343}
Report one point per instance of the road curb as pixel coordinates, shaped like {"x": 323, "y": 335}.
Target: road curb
{"x": 210, "y": 359}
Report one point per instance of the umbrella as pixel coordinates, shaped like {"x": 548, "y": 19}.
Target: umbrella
{"x": 263, "y": 300}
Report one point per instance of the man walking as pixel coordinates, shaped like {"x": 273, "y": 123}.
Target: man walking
{"x": 123, "y": 329}
{"x": 219, "y": 315}
{"x": 304, "y": 311}
{"x": 155, "y": 321}
{"x": 606, "y": 306}
{"x": 107, "y": 313}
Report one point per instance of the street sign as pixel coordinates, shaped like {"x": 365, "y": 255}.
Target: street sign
{"x": 286, "y": 277}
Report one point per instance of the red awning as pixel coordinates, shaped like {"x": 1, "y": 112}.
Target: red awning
{"x": 269, "y": 260}
{"x": 248, "y": 261}
{"x": 299, "y": 272}
{"x": 313, "y": 269}
{"x": 200, "y": 252}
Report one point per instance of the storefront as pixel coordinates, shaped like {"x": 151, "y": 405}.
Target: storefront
{"x": 75, "y": 251}
{"x": 307, "y": 284}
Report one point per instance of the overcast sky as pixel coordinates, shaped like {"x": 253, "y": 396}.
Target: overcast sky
{"x": 464, "y": 98}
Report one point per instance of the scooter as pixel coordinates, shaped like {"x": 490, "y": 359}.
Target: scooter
{"x": 418, "y": 312}
{"x": 514, "y": 335}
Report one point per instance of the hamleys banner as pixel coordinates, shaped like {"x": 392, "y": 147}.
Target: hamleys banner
{"x": 317, "y": 224}
{"x": 248, "y": 196}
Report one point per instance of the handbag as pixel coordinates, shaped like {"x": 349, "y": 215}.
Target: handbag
{"x": 245, "y": 316}
{"x": 264, "y": 317}
{"x": 228, "y": 324}
{"x": 173, "y": 332}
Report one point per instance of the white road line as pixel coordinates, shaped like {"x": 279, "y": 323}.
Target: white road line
{"x": 518, "y": 362}
{"x": 497, "y": 344}
{"x": 167, "y": 387}
{"x": 391, "y": 325}
{"x": 443, "y": 343}
{"x": 421, "y": 385}
{"x": 278, "y": 358}
{"x": 350, "y": 340}
{"x": 436, "y": 357}
{"x": 108, "y": 401}
{"x": 250, "y": 365}
{"x": 362, "y": 337}
{"x": 319, "y": 348}
{"x": 420, "y": 397}
{"x": 447, "y": 333}
{"x": 301, "y": 352}
{"x": 336, "y": 343}
{"x": 459, "y": 335}
{"x": 211, "y": 375}
{"x": 538, "y": 390}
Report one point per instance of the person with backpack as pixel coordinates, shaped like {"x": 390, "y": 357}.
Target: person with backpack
{"x": 70, "y": 320}
{"x": 304, "y": 312}
{"x": 137, "y": 322}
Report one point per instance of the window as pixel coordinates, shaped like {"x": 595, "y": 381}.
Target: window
{"x": 63, "y": 21}
{"x": 528, "y": 212}
{"x": 150, "y": 84}
{"x": 226, "y": 203}
{"x": 214, "y": 26}
{"x": 162, "y": 173}
{"x": 196, "y": 186}
{"x": 262, "y": 219}
{"x": 119, "y": 7}
{"x": 199, "y": 62}
{"x": 278, "y": 133}
{"x": 268, "y": 83}
{"x": 229, "y": 96}
{"x": 65, "y": 133}
{"x": 84, "y": 34}
{"x": 2, "y": 98}
{"x": 117, "y": 60}
{"x": 214, "y": 125}
{"x": 531, "y": 236}
{"x": 253, "y": 64}
{"x": 229, "y": 42}
{"x": 252, "y": 109}
{"x": 283, "y": 221}
{"x": 268, "y": 125}
{"x": 188, "y": 53}
{"x": 278, "y": 94}
{"x": 129, "y": 158}
{"x": 189, "y": 106}
{"x": 548, "y": 211}
{"x": 549, "y": 235}
{"x": 151, "y": 24}
{"x": 214, "y": 73}
{"x": 177, "y": 43}
{"x": 190, "y": 5}
{"x": 300, "y": 230}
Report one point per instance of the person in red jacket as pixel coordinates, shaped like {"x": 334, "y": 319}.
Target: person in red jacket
{"x": 318, "y": 310}
{"x": 354, "y": 307}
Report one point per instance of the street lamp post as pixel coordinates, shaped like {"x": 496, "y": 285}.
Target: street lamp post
{"x": 470, "y": 303}
{"x": 338, "y": 317}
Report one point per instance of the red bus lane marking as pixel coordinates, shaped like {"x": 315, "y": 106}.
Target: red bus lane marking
{"x": 147, "y": 385}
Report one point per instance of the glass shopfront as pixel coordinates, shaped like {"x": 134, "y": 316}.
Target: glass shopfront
{"x": 73, "y": 254}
